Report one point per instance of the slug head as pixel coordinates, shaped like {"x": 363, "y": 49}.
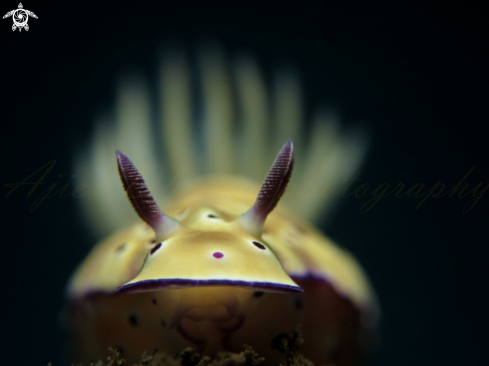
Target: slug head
{"x": 208, "y": 247}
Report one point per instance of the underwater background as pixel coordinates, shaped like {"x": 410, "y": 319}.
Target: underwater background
{"x": 413, "y": 75}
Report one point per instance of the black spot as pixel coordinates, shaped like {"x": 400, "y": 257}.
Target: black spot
{"x": 153, "y": 300}
{"x": 299, "y": 229}
{"x": 121, "y": 247}
{"x": 212, "y": 216}
{"x": 258, "y": 294}
{"x": 155, "y": 248}
{"x": 133, "y": 320}
{"x": 153, "y": 240}
{"x": 163, "y": 324}
{"x": 120, "y": 348}
{"x": 298, "y": 303}
{"x": 259, "y": 245}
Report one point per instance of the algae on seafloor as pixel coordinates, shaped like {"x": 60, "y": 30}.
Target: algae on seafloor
{"x": 287, "y": 343}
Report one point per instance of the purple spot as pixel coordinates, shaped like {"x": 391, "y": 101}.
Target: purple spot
{"x": 218, "y": 255}
{"x": 259, "y": 245}
{"x": 155, "y": 248}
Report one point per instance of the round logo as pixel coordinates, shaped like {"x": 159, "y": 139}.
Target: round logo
{"x": 20, "y": 17}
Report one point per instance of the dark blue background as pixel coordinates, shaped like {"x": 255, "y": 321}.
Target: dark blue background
{"x": 415, "y": 74}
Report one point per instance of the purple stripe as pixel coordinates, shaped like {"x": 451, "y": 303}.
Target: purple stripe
{"x": 370, "y": 312}
{"x": 149, "y": 285}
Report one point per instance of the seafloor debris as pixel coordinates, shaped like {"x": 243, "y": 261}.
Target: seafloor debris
{"x": 287, "y": 343}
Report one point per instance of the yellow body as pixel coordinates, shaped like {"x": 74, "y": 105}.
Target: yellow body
{"x": 336, "y": 310}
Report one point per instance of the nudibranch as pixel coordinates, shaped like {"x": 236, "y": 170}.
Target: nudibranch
{"x": 216, "y": 273}
{"x": 221, "y": 264}
{"x": 192, "y": 253}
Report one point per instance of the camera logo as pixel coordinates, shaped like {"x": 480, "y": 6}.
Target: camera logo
{"x": 20, "y": 17}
